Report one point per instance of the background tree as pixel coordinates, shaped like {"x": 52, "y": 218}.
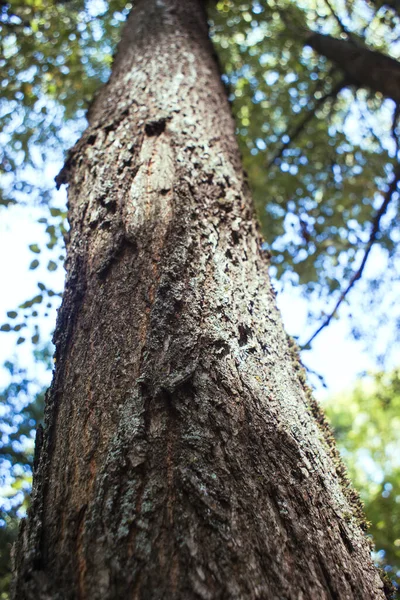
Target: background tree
{"x": 366, "y": 423}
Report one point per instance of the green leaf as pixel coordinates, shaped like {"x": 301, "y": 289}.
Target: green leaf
{"x": 52, "y": 266}
{"x": 29, "y": 303}
{"x": 56, "y": 212}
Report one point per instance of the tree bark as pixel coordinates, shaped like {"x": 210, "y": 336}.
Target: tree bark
{"x": 182, "y": 455}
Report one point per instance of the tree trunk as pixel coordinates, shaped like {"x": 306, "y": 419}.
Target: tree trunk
{"x": 182, "y": 455}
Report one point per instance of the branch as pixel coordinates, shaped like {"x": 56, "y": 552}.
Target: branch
{"x": 320, "y": 377}
{"x": 372, "y": 239}
{"x": 307, "y": 118}
{"x": 395, "y": 123}
{"x": 364, "y": 67}
{"x": 338, "y": 20}
{"x": 13, "y": 26}
{"x": 393, "y": 5}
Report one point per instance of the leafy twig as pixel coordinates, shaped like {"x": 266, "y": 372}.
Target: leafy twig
{"x": 372, "y": 239}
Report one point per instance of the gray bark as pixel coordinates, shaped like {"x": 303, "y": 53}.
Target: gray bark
{"x": 182, "y": 455}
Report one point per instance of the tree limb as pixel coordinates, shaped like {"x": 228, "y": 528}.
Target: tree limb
{"x": 364, "y": 67}
{"x": 372, "y": 239}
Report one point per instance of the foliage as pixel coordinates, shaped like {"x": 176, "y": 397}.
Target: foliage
{"x": 319, "y": 150}
{"x": 366, "y": 424}
{"x": 55, "y": 55}
{"x": 21, "y": 410}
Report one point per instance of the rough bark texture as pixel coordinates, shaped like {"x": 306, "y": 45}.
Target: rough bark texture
{"x": 182, "y": 457}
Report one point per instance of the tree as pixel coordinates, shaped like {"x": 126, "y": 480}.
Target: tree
{"x": 320, "y": 147}
{"x": 366, "y": 422}
{"x": 182, "y": 456}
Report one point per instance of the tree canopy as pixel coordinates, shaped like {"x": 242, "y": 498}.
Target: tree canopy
{"x": 314, "y": 88}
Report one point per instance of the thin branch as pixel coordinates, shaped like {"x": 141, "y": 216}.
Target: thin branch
{"x": 393, "y": 5}
{"x": 347, "y": 9}
{"x": 14, "y": 26}
{"x": 395, "y": 123}
{"x": 369, "y": 127}
{"x": 372, "y": 239}
{"x": 338, "y": 20}
{"x": 320, "y": 377}
{"x": 371, "y": 21}
{"x": 307, "y": 118}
